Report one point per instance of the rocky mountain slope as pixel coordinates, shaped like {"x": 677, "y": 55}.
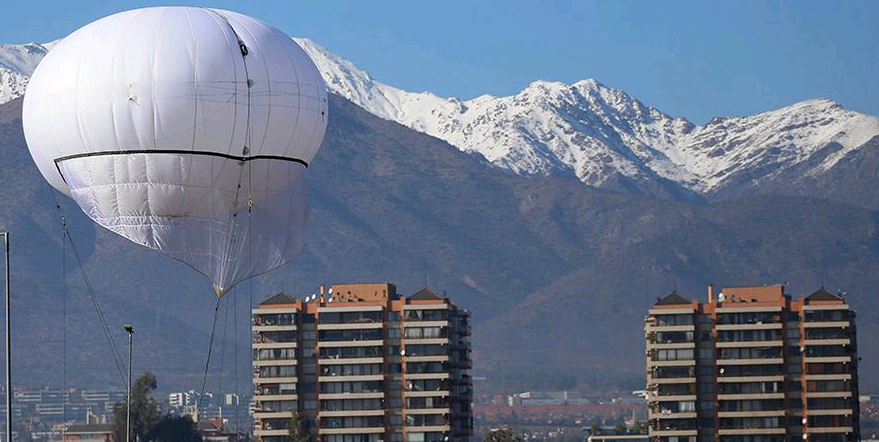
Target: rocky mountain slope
{"x": 17, "y": 63}
{"x": 600, "y": 135}
{"x": 558, "y": 275}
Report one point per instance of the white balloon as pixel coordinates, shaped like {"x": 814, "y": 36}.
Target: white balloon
{"x": 187, "y": 130}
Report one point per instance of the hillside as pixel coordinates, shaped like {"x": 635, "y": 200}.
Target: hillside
{"x": 558, "y": 275}
{"x": 603, "y": 136}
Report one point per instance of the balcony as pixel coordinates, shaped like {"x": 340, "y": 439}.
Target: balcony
{"x": 830, "y": 412}
{"x": 672, "y": 433}
{"x": 353, "y": 430}
{"x": 748, "y": 396}
{"x": 279, "y": 432}
{"x": 670, "y": 328}
{"x": 773, "y": 378}
{"x": 265, "y": 328}
{"x": 825, "y": 430}
{"x": 763, "y": 413}
{"x": 671, "y": 397}
{"x": 417, "y": 376}
{"x": 833, "y": 341}
{"x": 825, "y": 324}
{"x": 272, "y": 414}
{"x": 826, "y": 359}
{"x": 274, "y": 380}
{"x": 432, "y": 428}
{"x": 671, "y": 415}
{"x": 275, "y": 397}
{"x": 426, "y": 323}
{"x": 749, "y": 431}
{"x": 667, "y": 345}
{"x": 337, "y": 361}
{"x": 749, "y": 344}
{"x": 432, "y": 393}
{"x": 445, "y": 410}
{"x": 684, "y": 380}
{"x": 269, "y": 362}
{"x": 350, "y": 378}
{"x": 751, "y": 326}
{"x": 361, "y": 395}
{"x": 827, "y": 394}
{"x": 261, "y": 344}
{"x": 750, "y": 361}
{"x": 366, "y": 343}
{"x": 350, "y": 326}
{"x": 344, "y": 413}
{"x": 828, "y": 377}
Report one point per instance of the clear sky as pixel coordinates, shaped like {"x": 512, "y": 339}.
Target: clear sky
{"x": 695, "y": 59}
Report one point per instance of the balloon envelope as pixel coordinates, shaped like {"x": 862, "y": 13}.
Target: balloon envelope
{"x": 187, "y": 130}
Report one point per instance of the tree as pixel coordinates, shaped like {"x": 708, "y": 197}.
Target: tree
{"x": 174, "y": 429}
{"x": 501, "y": 435}
{"x": 144, "y": 411}
{"x": 640, "y": 427}
{"x": 299, "y": 429}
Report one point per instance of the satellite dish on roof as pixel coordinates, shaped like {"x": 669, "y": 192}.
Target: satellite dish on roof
{"x": 721, "y": 297}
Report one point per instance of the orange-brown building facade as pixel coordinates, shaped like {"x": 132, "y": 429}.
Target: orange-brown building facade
{"x": 752, "y": 365}
{"x": 361, "y": 364}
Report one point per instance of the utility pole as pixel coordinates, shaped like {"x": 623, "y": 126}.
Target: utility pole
{"x": 130, "y": 331}
{"x": 8, "y": 348}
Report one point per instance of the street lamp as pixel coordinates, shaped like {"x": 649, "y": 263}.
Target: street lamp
{"x": 8, "y": 347}
{"x": 130, "y": 330}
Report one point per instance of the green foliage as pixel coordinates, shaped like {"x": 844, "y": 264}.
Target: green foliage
{"x": 175, "y": 429}
{"x": 501, "y": 435}
{"x": 144, "y": 411}
{"x": 640, "y": 427}
{"x": 300, "y": 429}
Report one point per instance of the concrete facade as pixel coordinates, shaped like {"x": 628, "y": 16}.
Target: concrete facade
{"x": 752, "y": 365}
{"x": 361, "y": 364}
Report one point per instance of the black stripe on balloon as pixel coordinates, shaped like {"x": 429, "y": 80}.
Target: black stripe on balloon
{"x": 176, "y": 152}
{"x": 183, "y": 152}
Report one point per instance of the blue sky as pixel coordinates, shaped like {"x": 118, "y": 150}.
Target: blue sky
{"x": 696, "y": 59}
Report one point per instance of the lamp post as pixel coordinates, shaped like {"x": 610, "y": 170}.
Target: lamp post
{"x": 8, "y": 347}
{"x": 130, "y": 330}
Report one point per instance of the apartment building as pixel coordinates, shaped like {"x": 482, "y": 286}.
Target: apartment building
{"x": 752, "y": 365}
{"x": 359, "y": 363}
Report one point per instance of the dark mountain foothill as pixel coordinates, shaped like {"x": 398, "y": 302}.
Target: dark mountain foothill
{"x": 558, "y": 275}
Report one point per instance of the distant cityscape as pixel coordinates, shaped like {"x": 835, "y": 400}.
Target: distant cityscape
{"x": 361, "y": 363}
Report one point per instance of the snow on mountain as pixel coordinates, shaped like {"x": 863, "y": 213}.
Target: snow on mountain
{"x": 594, "y": 131}
{"x": 589, "y": 130}
{"x": 17, "y": 63}
{"x": 772, "y": 140}
{"x": 585, "y": 129}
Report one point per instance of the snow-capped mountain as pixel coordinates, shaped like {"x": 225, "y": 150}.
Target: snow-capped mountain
{"x": 599, "y": 134}
{"x": 17, "y": 63}
{"x": 595, "y": 132}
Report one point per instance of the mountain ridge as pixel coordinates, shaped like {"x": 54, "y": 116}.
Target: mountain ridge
{"x": 557, "y": 274}
{"x": 595, "y": 132}
{"x": 600, "y": 135}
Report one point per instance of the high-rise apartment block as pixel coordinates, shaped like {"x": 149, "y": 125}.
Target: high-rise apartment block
{"x": 358, "y": 363}
{"x": 752, "y": 365}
